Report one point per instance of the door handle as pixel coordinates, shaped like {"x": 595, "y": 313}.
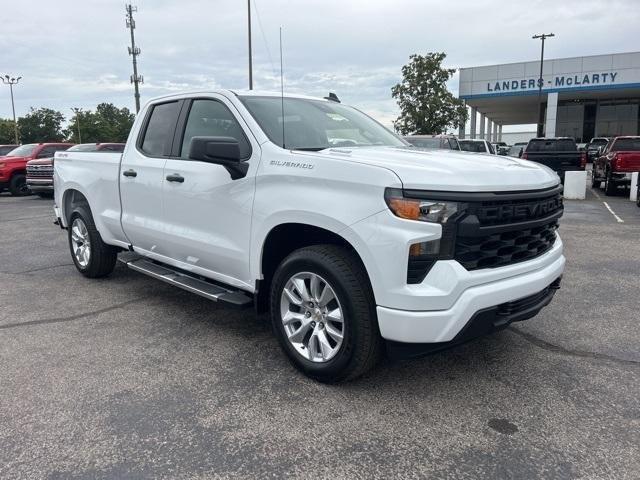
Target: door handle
{"x": 130, "y": 173}
{"x": 176, "y": 177}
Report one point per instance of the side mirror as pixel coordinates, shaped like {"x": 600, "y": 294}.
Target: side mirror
{"x": 223, "y": 151}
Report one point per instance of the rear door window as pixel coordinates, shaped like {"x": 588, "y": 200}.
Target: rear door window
{"x": 158, "y": 134}
{"x": 626, "y": 145}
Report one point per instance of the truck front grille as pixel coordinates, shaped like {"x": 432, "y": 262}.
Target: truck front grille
{"x": 499, "y": 249}
{"x": 496, "y": 232}
{"x": 40, "y": 171}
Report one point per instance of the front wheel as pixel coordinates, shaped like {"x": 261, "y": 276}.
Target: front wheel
{"x": 324, "y": 314}
{"x": 91, "y": 256}
{"x": 18, "y": 186}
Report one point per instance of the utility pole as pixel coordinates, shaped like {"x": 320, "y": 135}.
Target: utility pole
{"x": 11, "y": 81}
{"x": 78, "y": 111}
{"x": 134, "y": 52}
{"x": 250, "y": 55}
{"x": 542, "y": 37}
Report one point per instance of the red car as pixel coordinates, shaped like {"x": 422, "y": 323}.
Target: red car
{"x": 615, "y": 164}
{"x": 13, "y": 166}
{"x": 40, "y": 171}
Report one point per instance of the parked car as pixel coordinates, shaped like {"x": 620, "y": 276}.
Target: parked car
{"x": 4, "y": 149}
{"x": 501, "y": 148}
{"x": 40, "y": 170}
{"x": 594, "y": 146}
{"x": 440, "y": 142}
{"x": 617, "y": 161}
{"x": 516, "y": 150}
{"x": 560, "y": 154}
{"x": 13, "y": 166}
{"x": 476, "y": 146}
{"x": 348, "y": 248}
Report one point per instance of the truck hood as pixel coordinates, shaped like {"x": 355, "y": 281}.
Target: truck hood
{"x": 450, "y": 170}
{"x": 41, "y": 161}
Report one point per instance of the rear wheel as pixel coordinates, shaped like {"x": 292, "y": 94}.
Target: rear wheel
{"x": 91, "y": 256}
{"x": 18, "y": 186}
{"x": 324, "y": 315}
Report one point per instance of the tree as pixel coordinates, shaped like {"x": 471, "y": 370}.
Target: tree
{"x": 7, "y": 132}
{"x": 41, "y": 125}
{"x": 107, "y": 124}
{"x": 426, "y": 105}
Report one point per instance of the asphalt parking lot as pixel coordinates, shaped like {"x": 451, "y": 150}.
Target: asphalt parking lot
{"x": 127, "y": 377}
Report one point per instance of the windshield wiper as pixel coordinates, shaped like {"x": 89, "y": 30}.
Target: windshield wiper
{"x": 310, "y": 149}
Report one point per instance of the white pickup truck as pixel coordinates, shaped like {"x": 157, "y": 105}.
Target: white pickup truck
{"x": 356, "y": 242}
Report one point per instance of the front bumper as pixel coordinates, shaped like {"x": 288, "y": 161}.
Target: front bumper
{"x": 483, "y": 322}
{"x": 444, "y": 325}
{"x": 40, "y": 185}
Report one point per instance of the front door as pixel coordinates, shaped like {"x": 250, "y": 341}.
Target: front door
{"x": 141, "y": 178}
{"x": 206, "y": 213}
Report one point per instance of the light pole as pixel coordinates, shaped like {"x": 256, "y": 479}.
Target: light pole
{"x": 78, "y": 111}
{"x": 542, "y": 37}
{"x": 11, "y": 81}
{"x": 250, "y": 54}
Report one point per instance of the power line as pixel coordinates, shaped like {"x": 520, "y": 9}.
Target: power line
{"x": 264, "y": 38}
{"x": 134, "y": 52}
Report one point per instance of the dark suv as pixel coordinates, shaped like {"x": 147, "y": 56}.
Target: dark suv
{"x": 439, "y": 142}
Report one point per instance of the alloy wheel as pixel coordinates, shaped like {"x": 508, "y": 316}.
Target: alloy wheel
{"x": 312, "y": 317}
{"x": 80, "y": 242}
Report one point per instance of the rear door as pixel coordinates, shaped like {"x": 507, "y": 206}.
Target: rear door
{"x": 208, "y": 215}
{"x": 141, "y": 178}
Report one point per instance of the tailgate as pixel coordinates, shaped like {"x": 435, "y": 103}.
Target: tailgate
{"x": 558, "y": 161}
{"x": 628, "y": 162}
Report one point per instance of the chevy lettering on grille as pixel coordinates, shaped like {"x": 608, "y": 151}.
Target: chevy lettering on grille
{"x": 519, "y": 211}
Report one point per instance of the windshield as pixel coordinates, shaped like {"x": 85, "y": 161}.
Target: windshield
{"x": 597, "y": 142}
{"x": 85, "y": 147}
{"x": 23, "y": 150}
{"x": 424, "y": 142}
{"x": 316, "y": 125}
{"x": 471, "y": 146}
{"x": 626, "y": 145}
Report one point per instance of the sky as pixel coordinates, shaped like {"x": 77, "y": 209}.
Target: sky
{"x": 73, "y": 53}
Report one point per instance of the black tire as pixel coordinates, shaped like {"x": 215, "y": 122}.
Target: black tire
{"x": 610, "y": 188}
{"x": 102, "y": 257}
{"x": 362, "y": 344}
{"x": 638, "y": 195}
{"x": 594, "y": 182}
{"x": 18, "y": 185}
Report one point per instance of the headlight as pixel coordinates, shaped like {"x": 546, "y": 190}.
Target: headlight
{"x": 434, "y": 211}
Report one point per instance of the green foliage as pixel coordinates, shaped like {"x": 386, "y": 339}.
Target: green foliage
{"x": 107, "y": 124}
{"x": 7, "y": 135}
{"x": 426, "y": 105}
{"x": 41, "y": 125}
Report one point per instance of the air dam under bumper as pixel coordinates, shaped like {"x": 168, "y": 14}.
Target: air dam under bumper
{"x": 441, "y": 326}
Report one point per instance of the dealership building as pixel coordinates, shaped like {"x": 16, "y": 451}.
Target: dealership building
{"x": 582, "y": 97}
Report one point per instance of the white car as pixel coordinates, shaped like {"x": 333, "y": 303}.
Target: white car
{"x": 311, "y": 210}
{"x": 476, "y": 146}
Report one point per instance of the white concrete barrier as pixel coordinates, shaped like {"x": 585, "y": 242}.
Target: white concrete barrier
{"x": 633, "y": 196}
{"x": 575, "y": 185}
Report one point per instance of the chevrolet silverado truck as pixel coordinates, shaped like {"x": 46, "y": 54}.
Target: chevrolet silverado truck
{"x": 559, "y": 154}
{"x": 40, "y": 170}
{"x": 13, "y": 166}
{"x": 617, "y": 162}
{"x": 355, "y": 242}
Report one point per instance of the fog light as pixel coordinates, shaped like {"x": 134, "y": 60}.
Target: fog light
{"x": 425, "y": 248}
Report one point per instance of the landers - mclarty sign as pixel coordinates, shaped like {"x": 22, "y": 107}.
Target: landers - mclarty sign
{"x": 559, "y": 81}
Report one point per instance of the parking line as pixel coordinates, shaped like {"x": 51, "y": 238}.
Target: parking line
{"x": 613, "y": 213}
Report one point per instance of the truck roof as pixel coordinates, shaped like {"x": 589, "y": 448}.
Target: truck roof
{"x": 238, "y": 93}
